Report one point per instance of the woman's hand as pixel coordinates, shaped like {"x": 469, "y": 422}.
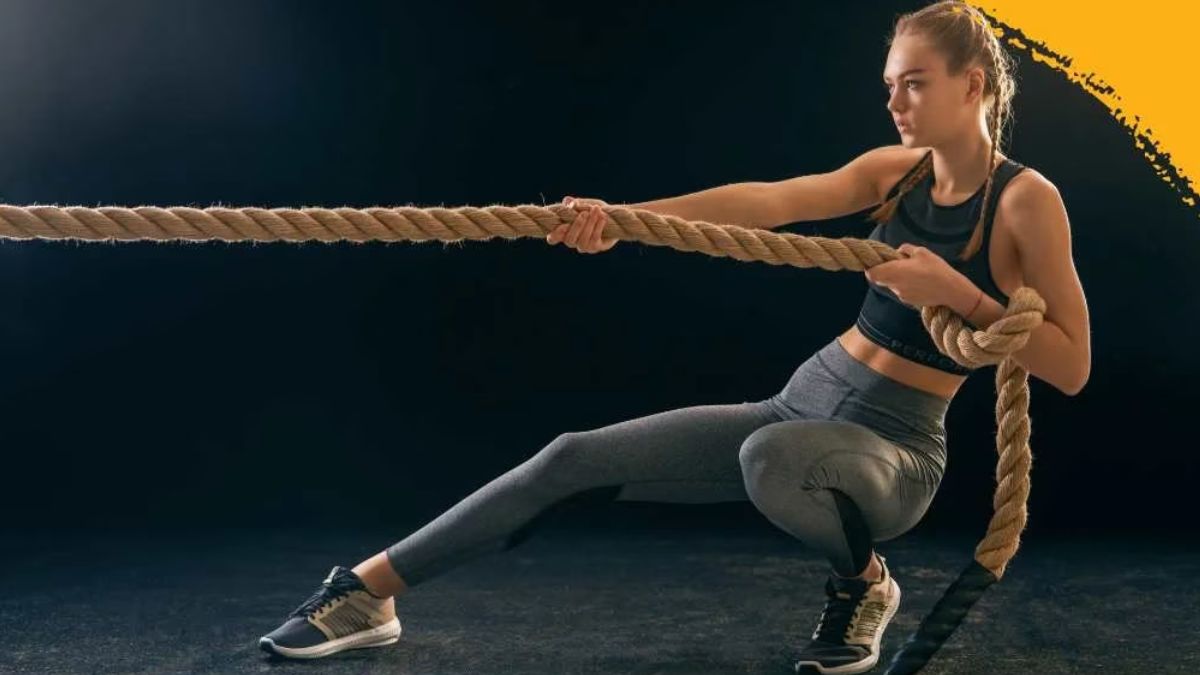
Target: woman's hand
{"x": 921, "y": 279}
{"x": 583, "y": 234}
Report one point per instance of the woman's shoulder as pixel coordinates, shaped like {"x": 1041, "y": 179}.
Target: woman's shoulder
{"x": 1027, "y": 185}
{"x": 1029, "y": 200}
{"x": 892, "y": 164}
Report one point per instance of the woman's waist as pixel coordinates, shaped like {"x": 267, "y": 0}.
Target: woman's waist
{"x": 832, "y": 383}
{"x": 928, "y": 380}
{"x": 832, "y": 376}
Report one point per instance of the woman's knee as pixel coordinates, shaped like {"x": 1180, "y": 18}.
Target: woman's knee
{"x": 570, "y": 460}
{"x": 792, "y": 447}
{"x": 811, "y": 455}
{"x": 773, "y": 457}
{"x": 762, "y": 449}
{"x": 784, "y": 461}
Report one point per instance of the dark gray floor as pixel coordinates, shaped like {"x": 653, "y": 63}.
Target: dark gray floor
{"x": 642, "y": 601}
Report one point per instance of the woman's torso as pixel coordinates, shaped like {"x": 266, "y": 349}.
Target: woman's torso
{"x": 1005, "y": 273}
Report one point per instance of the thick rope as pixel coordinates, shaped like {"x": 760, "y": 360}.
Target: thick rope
{"x": 968, "y": 347}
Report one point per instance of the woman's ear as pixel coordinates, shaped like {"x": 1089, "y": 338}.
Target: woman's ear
{"x": 975, "y": 82}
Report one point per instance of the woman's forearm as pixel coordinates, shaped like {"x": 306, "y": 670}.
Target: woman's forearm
{"x": 744, "y": 204}
{"x": 1049, "y": 355}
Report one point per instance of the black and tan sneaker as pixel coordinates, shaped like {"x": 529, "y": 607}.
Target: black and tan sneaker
{"x": 342, "y": 614}
{"x": 856, "y": 613}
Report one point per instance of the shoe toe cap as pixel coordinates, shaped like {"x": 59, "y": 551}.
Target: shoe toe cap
{"x": 295, "y": 632}
{"x": 831, "y": 655}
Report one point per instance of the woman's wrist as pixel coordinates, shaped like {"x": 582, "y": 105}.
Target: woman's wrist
{"x": 978, "y": 301}
{"x": 971, "y": 298}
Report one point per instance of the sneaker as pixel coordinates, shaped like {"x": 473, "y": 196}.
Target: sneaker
{"x": 856, "y": 613}
{"x": 342, "y": 614}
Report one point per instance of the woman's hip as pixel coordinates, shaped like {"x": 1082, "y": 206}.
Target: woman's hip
{"x": 833, "y": 385}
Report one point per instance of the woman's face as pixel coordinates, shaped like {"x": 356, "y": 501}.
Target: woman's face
{"x": 928, "y": 105}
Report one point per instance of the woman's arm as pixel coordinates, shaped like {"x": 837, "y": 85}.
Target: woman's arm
{"x": 745, "y": 204}
{"x": 1059, "y": 350}
{"x": 849, "y": 189}
{"x": 768, "y": 205}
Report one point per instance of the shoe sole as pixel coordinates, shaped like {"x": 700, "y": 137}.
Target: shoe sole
{"x": 388, "y": 633}
{"x": 860, "y": 666}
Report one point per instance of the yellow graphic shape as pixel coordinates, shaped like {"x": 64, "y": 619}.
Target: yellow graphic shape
{"x": 1138, "y": 58}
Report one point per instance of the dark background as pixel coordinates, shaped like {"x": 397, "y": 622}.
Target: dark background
{"x": 172, "y": 385}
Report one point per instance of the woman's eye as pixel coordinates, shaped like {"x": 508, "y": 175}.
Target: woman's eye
{"x": 912, "y": 83}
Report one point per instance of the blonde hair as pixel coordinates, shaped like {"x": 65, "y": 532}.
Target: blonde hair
{"x": 965, "y": 38}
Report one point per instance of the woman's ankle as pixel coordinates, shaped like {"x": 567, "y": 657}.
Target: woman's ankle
{"x": 872, "y": 573}
{"x": 379, "y": 577}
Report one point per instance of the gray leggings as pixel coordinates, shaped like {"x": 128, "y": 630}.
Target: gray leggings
{"x": 842, "y": 457}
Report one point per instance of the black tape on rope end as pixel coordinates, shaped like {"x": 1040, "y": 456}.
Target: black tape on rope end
{"x": 945, "y": 617}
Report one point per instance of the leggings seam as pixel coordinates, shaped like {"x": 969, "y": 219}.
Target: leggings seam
{"x": 832, "y": 373}
{"x": 845, "y": 397}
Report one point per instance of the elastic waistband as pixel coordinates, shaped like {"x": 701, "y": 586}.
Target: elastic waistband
{"x": 876, "y": 385}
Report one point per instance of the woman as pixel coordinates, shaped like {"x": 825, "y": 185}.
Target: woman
{"x": 853, "y": 449}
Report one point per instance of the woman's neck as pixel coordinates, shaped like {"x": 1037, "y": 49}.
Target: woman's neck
{"x": 960, "y": 167}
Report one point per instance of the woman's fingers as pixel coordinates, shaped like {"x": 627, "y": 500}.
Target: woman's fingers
{"x": 583, "y": 236}
{"x": 575, "y": 237}
{"x": 573, "y": 231}
{"x": 559, "y": 233}
{"x": 598, "y": 221}
{"x": 586, "y": 227}
{"x": 584, "y": 233}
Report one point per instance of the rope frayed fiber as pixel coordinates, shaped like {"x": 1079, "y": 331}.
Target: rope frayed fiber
{"x": 969, "y": 347}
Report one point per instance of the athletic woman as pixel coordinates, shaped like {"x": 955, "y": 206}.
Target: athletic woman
{"x": 853, "y": 448}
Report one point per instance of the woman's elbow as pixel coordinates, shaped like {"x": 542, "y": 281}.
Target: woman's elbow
{"x": 1078, "y": 384}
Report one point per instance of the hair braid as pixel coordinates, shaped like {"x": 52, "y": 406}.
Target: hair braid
{"x": 884, "y": 211}
{"x": 976, "y": 241}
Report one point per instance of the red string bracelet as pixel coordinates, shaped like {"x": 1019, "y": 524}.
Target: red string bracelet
{"x": 977, "y": 301}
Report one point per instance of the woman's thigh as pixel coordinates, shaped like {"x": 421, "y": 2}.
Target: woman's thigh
{"x": 886, "y": 480}
{"x": 685, "y": 455}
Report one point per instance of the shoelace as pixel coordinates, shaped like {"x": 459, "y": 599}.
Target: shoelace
{"x": 330, "y": 590}
{"x": 841, "y": 615}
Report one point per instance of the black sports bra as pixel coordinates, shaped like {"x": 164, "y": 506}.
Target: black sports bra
{"x": 945, "y": 230}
